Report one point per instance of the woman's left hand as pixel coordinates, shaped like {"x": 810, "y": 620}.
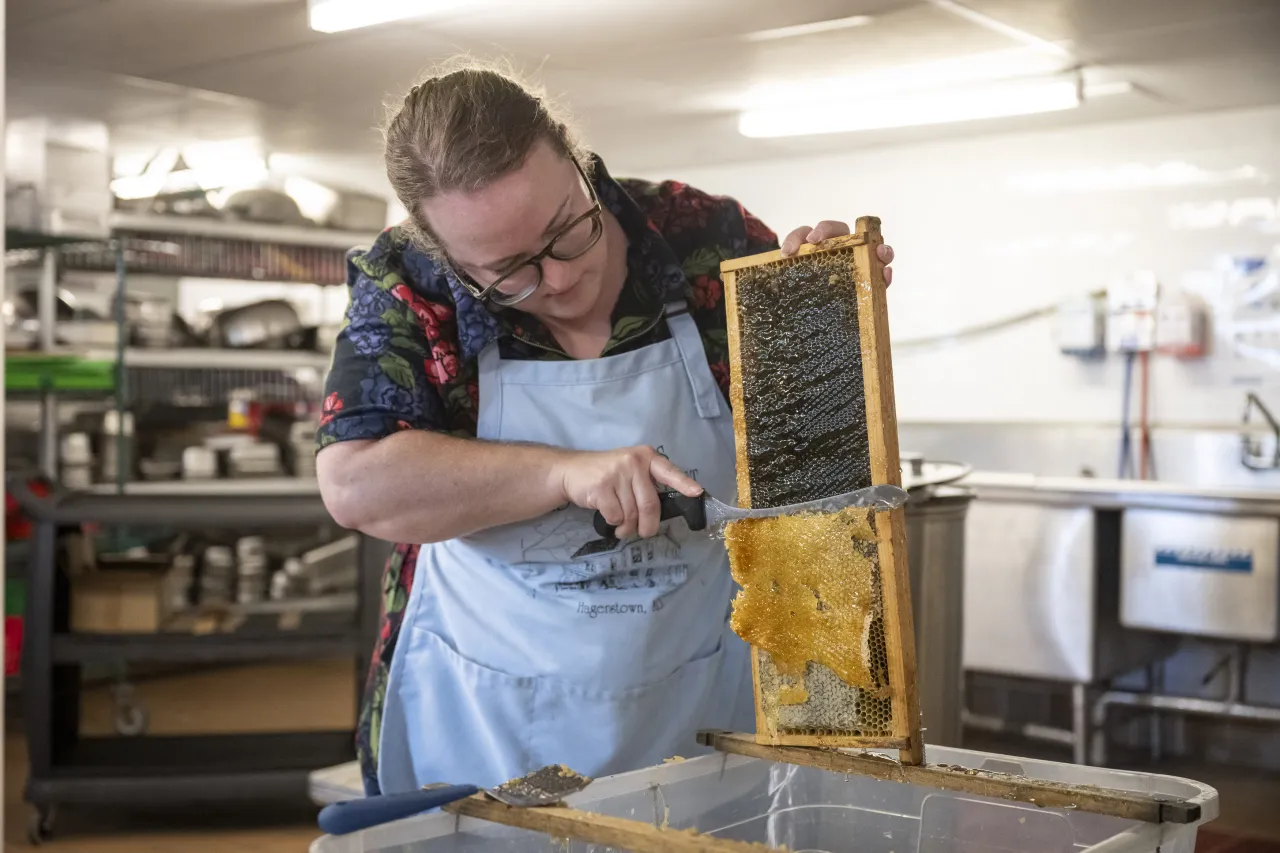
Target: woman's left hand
{"x": 825, "y": 230}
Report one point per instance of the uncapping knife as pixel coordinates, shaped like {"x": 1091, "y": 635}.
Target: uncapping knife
{"x": 706, "y": 513}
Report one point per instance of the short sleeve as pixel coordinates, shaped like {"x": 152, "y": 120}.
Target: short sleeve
{"x": 378, "y": 382}
{"x": 760, "y": 238}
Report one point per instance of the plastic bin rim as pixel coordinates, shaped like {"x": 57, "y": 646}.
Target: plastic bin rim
{"x": 441, "y": 824}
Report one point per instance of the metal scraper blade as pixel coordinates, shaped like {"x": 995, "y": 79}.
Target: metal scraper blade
{"x": 880, "y": 497}
{"x": 544, "y": 787}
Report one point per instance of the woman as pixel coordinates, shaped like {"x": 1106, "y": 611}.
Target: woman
{"x": 536, "y": 342}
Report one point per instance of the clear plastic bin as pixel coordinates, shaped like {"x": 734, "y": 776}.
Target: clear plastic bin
{"x": 814, "y": 811}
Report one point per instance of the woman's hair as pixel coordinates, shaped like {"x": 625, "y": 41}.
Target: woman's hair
{"x": 461, "y": 128}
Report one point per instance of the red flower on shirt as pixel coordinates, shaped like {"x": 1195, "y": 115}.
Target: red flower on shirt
{"x": 409, "y": 567}
{"x": 443, "y": 363}
{"x": 720, "y": 370}
{"x": 332, "y": 405}
{"x": 708, "y": 291}
{"x": 757, "y": 231}
{"x": 691, "y": 209}
{"x": 429, "y": 314}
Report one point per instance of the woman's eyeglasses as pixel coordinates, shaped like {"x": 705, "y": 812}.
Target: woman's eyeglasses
{"x": 574, "y": 240}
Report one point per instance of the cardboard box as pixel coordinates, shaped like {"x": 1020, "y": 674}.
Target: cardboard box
{"x": 124, "y": 601}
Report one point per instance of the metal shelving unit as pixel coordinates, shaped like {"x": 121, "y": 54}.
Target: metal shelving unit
{"x": 192, "y": 648}
{"x": 69, "y": 769}
{"x": 195, "y": 226}
{"x": 186, "y": 769}
{"x": 264, "y": 487}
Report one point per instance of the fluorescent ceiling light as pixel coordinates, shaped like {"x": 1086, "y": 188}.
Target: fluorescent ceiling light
{"x": 809, "y": 29}
{"x": 333, "y": 16}
{"x": 908, "y": 110}
{"x": 988, "y": 67}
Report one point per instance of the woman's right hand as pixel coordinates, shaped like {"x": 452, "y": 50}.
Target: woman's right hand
{"x": 621, "y": 485}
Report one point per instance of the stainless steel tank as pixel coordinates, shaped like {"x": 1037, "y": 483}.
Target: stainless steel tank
{"x": 936, "y": 515}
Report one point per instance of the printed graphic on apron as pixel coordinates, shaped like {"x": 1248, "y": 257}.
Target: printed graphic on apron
{"x": 555, "y": 537}
{"x": 691, "y": 473}
{"x": 654, "y": 577}
{"x": 646, "y": 564}
{"x": 616, "y": 609}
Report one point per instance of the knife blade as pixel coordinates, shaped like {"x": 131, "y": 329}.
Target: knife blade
{"x": 704, "y": 512}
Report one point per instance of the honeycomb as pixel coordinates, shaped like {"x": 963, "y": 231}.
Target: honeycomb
{"x": 800, "y": 374}
{"x": 810, "y": 603}
{"x": 810, "y": 606}
{"x": 806, "y": 590}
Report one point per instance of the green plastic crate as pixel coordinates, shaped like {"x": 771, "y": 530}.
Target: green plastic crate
{"x": 15, "y": 596}
{"x": 43, "y": 372}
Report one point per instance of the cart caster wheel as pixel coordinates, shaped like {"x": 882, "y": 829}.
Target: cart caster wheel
{"x": 131, "y": 720}
{"x": 40, "y": 825}
{"x": 131, "y": 716}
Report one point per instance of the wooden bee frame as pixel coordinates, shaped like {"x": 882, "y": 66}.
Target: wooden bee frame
{"x": 871, "y": 351}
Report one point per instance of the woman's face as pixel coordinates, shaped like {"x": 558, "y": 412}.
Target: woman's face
{"x": 489, "y": 232}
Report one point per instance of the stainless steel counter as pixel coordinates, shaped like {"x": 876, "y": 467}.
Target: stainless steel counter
{"x": 1122, "y": 494}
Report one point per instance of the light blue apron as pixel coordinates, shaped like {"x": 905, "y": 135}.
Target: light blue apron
{"x": 520, "y": 648}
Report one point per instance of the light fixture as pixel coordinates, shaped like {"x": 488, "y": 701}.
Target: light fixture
{"x": 809, "y": 29}
{"x": 991, "y": 66}
{"x": 938, "y": 106}
{"x": 333, "y": 16}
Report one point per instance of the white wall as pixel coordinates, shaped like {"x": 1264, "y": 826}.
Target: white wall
{"x": 980, "y": 237}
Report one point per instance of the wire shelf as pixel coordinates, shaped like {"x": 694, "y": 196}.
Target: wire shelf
{"x": 203, "y": 256}
{"x": 190, "y": 386}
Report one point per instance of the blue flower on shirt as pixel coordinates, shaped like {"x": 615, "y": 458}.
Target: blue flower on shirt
{"x": 368, "y": 332}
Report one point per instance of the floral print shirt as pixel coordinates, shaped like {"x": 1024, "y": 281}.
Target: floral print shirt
{"x": 407, "y": 356}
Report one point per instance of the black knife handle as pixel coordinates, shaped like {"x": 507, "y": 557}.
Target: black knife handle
{"x": 672, "y": 505}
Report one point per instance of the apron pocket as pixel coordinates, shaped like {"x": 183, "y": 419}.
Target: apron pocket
{"x": 465, "y": 723}
{"x": 602, "y": 732}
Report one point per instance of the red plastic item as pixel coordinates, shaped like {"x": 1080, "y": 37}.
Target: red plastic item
{"x": 17, "y": 526}
{"x": 12, "y": 644}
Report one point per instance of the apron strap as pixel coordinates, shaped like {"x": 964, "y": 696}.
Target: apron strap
{"x": 706, "y": 393}
{"x": 490, "y": 387}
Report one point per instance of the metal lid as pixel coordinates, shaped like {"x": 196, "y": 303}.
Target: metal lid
{"x": 918, "y": 473}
